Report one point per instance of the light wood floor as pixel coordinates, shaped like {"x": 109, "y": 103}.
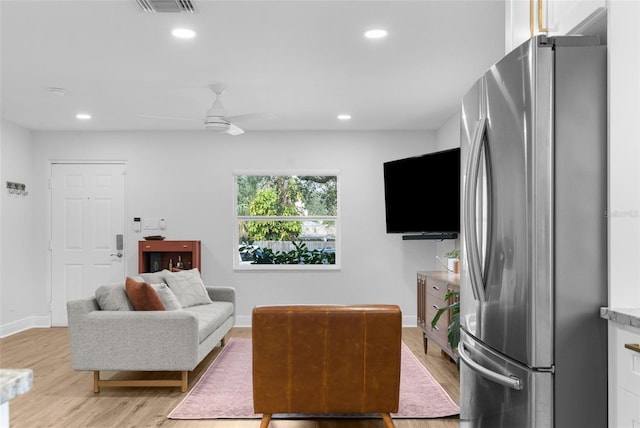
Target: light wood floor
{"x": 63, "y": 397}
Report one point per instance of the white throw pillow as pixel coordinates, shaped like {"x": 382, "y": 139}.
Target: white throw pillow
{"x": 169, "y": 300}
{"x": 188, "y": 287}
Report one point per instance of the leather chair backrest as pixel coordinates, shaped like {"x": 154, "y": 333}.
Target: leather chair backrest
{"x": 326, "y": 358}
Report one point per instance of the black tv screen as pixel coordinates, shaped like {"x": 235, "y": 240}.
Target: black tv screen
{"x": 422, "y": 193}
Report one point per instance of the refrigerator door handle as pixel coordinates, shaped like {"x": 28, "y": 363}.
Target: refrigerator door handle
{"x": 512, "y": 382}
{"x": 471, "y": 240}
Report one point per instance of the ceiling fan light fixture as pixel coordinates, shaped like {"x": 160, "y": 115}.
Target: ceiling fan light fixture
{"x": 216, "y": 123}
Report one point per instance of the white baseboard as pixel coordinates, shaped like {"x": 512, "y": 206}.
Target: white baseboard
{"x": 24, "y": 324}
{"x": 243, "y": 321}
{"x": 407, "y": 321}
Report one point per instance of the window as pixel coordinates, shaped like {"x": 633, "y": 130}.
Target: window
{"x": 286, "y": 221}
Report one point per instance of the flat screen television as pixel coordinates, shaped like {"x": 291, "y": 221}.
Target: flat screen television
{"x": 422, "y": 195}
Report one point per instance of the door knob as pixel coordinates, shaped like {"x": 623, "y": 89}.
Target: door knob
{"x": 118, "y": 254}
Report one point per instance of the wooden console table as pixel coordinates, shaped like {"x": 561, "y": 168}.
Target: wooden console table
{"x": 154, "y": 256}
{"x": 432, "y": 287}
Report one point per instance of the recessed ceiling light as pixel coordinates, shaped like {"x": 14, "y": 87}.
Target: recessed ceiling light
{"x": 183, "y": 33}
{"x": 344, "y": 116}
{"x": 377, "y": 33}
{"x": 83, "y": 116}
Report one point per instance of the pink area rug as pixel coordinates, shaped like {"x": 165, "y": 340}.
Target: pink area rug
{"x": 225, "y": 390}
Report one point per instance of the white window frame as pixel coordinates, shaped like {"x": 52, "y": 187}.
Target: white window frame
{"x": 248, "y": 266}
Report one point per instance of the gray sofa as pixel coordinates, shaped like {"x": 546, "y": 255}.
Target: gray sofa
{"x": 107, "y": 334}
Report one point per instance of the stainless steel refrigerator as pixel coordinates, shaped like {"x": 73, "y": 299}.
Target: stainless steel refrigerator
{"x": 533, "y": 349}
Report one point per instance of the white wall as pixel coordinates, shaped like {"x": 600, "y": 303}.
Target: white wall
{"x": 624, "y": 152}
{"x": 18, "y": 308}
{"x": 186, "y": 177}
{"x": 448, "y": 137}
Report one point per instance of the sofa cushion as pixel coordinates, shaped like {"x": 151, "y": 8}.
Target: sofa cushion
{"x": 142, "y": 296}
{"x": 113, "y": 297}
{"x": 169, "y": 300}
{"x": 210, "y": 317}
{"x": 188, "y": 287}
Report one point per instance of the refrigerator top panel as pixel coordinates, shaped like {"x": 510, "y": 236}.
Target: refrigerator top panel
{"x": 508, "y": 190}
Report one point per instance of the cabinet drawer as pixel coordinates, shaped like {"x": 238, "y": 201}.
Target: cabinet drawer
{"x": 167, "y": 246}
{"x": 627, "y": 409}
{"x": 628, "y": 361}
{"x": 443, "y": 322}
{"x": 437, "y": 289}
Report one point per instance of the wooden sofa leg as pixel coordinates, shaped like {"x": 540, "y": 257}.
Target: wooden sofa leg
{"x": 223, "y": 341}
{"x": 96, "y": 381}
{"x": 388, "y": 422}
{"x": 266, "y": 418}
{"x": 185, "y": 383}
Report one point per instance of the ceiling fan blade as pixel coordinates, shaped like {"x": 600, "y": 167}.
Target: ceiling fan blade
{"x": 155, "y": 116}
{"x": 250, "y": 116}
{"x": 234, "y": 130}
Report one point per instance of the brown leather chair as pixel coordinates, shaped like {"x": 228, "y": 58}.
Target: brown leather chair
{"x": 315, "y": 359}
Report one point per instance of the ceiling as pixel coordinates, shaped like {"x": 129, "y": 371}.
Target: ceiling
{"x": 286, "y": 65}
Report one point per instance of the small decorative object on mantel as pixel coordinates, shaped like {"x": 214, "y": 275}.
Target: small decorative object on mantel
{"x": 179, "y": 264}
{"x": 154, "y": 238}
{"x": 453, "y": 261}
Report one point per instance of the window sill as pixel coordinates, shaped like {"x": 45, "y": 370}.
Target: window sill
{"x": 248, "y": 267}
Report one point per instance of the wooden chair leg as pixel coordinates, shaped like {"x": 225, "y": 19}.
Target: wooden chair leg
{"x": 388, "y": 422}
{"x": 266, "y": 418}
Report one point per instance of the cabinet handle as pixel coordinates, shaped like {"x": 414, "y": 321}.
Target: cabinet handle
{"x": 541, "y": 27}
{"x": 635, "y": 347}
{"x": 435, "y": 307}
{"x": 435, "y": 287}
{"x": 436, "y": 328}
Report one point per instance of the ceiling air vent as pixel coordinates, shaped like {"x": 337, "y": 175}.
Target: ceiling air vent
{"x": 174, "y": 6}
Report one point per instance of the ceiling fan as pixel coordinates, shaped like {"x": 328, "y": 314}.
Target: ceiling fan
{"x": 215, "y": 118}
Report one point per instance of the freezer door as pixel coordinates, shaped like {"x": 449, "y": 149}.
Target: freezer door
{"x": 506, "y": 144}
{"x": 496, "y": 392}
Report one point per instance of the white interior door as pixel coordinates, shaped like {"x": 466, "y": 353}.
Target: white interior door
{"x": 87, "y": 231}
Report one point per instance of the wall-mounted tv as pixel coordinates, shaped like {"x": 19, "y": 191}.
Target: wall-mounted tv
{"x": 422, "y": 195}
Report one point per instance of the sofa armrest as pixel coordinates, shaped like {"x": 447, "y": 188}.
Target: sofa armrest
{"x": 222, "y": 294}
{"x": 131, "y": 340}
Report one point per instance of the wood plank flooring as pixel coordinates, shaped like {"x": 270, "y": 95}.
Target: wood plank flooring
{"x": 63, "y": 397}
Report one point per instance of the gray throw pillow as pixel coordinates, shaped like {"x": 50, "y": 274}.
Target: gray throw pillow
{"x": 188, "y": 287}
{"x": 113, "y": 297}
{"x": 152, "y": 277}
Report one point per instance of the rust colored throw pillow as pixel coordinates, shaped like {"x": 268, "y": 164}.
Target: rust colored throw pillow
{"x": 142, "y": 296}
